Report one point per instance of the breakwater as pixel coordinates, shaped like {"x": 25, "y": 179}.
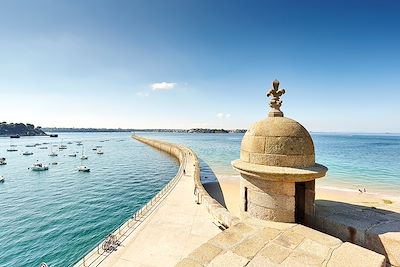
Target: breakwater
{"x": 192, "y": 225}
{"x": 219, "y": 213}
{"x": 106, "y": 247}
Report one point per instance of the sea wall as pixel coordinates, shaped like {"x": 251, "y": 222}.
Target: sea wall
{"x": 214, "y": 208}
{"x": 103, "y": 249}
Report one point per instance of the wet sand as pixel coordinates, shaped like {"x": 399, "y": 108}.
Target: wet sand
{"x": 229, "y": 185}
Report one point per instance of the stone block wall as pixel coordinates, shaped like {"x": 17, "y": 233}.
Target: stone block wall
{"x": 267, "y": 200}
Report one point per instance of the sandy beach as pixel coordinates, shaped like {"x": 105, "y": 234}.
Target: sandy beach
{"x": 229, "y": 186}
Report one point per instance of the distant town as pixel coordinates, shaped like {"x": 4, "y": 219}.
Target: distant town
{"x": 193, "y": 130}
{"x": 21, "y": 129}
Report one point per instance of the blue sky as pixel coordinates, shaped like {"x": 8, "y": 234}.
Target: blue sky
{"x": 184, "y": 64}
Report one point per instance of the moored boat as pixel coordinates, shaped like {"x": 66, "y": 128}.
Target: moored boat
{"x": 3, "y": 161}
{"x": 83, "y": 157}
{"x": 2, "y": 179}
{"x": 83, "y": 169}
{"x": 52, "y": 153}
{"x": 39, "y": 167}
{"x": 15, "y": 136}
{"x": 27, "y": 153}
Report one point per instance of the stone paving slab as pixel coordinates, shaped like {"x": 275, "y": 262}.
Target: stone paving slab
{"x": 375, "y": 229}
{"x": 171, "y": 232}
{"x": 262, "y": 243}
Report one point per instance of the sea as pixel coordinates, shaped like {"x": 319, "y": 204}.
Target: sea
{"x": 59, "y": 215}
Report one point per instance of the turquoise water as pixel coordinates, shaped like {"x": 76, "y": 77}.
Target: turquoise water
{"x": 59, "y": 215}
{"x": 354, "y": 161}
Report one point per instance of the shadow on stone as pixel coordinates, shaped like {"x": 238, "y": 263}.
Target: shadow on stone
{"x": 210, "y": 183}
{"x": 372, "y": 228}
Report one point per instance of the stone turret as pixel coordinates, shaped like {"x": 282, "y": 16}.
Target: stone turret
{"x": 277, "y": 167}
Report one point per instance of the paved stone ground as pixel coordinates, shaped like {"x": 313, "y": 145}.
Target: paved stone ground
{"x": 174, "y": 229}
{"x": 254, "y": 243}
{"x": 372, "y": 228}
{"x": 180, "y": 232}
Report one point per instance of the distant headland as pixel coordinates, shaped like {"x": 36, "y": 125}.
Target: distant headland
{"x": 20, "y": 129}
{"x": 194, "y": 130}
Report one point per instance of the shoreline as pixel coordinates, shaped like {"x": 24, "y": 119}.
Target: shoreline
{"x": 230, "y": 189}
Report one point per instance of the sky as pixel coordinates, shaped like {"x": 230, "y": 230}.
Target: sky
{"x": 200, "y": 63}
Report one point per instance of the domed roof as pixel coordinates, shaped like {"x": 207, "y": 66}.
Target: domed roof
{"x": 278, "y": 148}
{"x": 278, "y": 141}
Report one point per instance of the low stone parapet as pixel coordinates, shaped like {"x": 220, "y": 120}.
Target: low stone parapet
{"x": 375, "y": 229}
{"x": 216, "y": 210}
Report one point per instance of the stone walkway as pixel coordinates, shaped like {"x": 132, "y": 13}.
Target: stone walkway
{"x": 258, "y": 243}
{"x": 171, "y": 232}
{"x": 372, "y": 228}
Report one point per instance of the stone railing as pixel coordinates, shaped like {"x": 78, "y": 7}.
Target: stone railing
{"x": 216, "y": 210}
{"x": 221, "y": 215}
{"x": 108, "y": 245}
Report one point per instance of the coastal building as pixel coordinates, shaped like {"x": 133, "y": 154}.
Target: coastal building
{"x": 277, "y": 167}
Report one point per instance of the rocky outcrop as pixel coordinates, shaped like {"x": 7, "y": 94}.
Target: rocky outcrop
{"x": 21, "y": 129}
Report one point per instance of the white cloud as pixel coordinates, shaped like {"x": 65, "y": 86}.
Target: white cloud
{"x": 142, "y": 94}
{"x": 163, "y": 86}
{"x": 223, "y": 115}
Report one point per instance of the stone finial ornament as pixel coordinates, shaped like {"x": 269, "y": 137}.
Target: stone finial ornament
{"x": 275, "y": 102}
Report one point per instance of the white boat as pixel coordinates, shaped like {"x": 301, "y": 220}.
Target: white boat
{"x": 99, "y": 152}
{"x": 83, "y": 157}
{"x": 39, "y": 167}
{"x": 27, "y": 153}
{"x": 52, "y": 153}
{"x": 83, "y": 169}
{"x": 62, "y": 147}
{"x": 2, "y": 179}
{"x": 3, "y": 161}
